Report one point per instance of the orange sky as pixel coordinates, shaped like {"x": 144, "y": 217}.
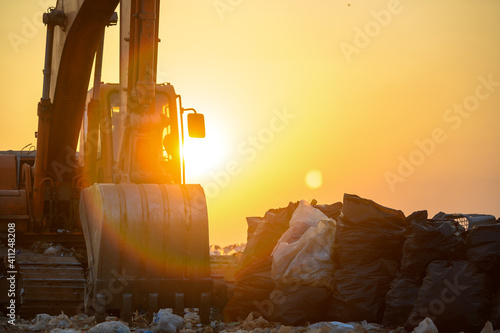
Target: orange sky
{"x": 396, "y": 101}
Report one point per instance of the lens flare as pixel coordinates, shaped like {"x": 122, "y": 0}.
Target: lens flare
{"x": 314, "y": 179}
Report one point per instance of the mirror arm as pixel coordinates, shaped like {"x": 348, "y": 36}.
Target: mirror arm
{"x": 182, "y": 109}
{"x": 190, "y": 109}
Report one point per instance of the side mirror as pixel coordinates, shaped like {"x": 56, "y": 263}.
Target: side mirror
{"x": 196, "y": 125}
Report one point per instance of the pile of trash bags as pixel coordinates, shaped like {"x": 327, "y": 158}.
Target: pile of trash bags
{"x": 287, "y": 261}
{"x": 367, "y": 252}
{"x": 358, "y": 260}
{"x": 426, "y": 241}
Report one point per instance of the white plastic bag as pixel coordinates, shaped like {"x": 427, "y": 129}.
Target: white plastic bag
{"x": 426, "y": 326}
{"x": 313, "y": 265}
{"x": 305, "y": 213}
{"x": 303, "y": 253}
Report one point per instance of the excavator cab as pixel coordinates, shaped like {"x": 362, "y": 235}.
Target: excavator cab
{"x": 158, "y": 149}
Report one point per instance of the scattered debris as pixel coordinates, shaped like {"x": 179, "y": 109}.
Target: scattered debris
{"x": 82, "y": 321}
{"x": 40, "y": 322}
{"x": 426, "y": 326}
{"x": 64, "y": 330}
{"x": 110, "y": 327}
{"x": 191, "y": 319}
{"x": 488, "y": 328}
{"x": 250, "y": 323}
{"x": 166, "y": 322}
{"x": 52, "y": 251}
{"x": 60, "y": 321}
{"x": 227, "y": 250}
{"x": 335, "y": 326}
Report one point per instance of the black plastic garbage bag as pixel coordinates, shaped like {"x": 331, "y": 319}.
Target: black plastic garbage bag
{"x": 456, "y": 295}
{"x": 253, "y": 275}
{"x": 367, "y": 231}
{"x": 429, "y": 240}
{"x": 360, "y": 291}
{"x": 253, "y": 223}
{"x": 367, "y": 213}
{"x": 362, "y": 245}
{"x": 483, "y": 246}
{"x": 332, "y": 211}
{"x": 251, "y": 290}
{"x": 297, "y": 305}
{"x": 400, "y": 301}
{"x": 267, "y": 233}
{"x": 495, "y": 309}
{"x": 495, "y": 303}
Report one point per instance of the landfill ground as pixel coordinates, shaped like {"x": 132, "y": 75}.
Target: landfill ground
{"x": 165, "y": 321}
{"x": 223, "y": 261}
{"x": 368, "y": 267}
{"x": 189, "y": 324}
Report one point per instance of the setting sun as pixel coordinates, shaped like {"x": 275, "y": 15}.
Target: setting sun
{"x": 204, "y": 155}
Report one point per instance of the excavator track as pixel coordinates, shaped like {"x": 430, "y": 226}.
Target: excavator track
{"x": 50, "y": 284}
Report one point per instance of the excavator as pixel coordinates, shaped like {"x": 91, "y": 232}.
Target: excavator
{"x": 108, "y": 172}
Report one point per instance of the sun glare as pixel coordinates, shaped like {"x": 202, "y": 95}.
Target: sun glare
{"x": 203, "y": 155}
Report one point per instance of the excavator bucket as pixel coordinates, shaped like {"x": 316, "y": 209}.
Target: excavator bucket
{"x": 147, "y": 248}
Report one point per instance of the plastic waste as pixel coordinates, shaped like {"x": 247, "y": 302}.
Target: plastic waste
{"x": 110, "y": 327}
{"x": 456, "y": 295}
{"x": 426, "y": 326}
{"x": 360, "y": 291}
{"x": 400, "y": 300}
{"x": 309, "y": 260}
{"x": 483, "y": 246}
{"x": 297, "y": 305}
{"x": 333, "y": 326}
{"x": 367, "y": 231}
{"x": 167, "y": 322}
{"x": 429, "y": 240}
{"x": 488, "y": 328}
{"x": 253, "y": 276}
